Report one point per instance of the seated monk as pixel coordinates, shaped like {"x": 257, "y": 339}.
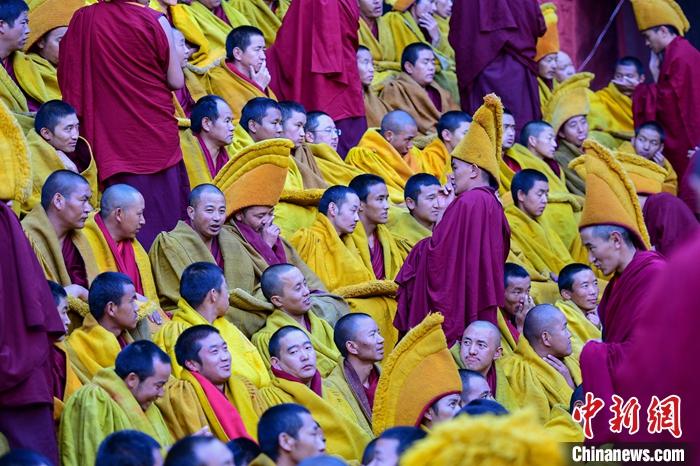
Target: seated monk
{"x": 380, "y": 250}
{"x": 205, "y": 301}
{"x": 288, "y": 434}
{"x": 533, "y": 242}
{"x": 361, "y": 346}
{"x": 648, "y": 142}
{"x": 371, "y": 12}
{"x": 451, "y": 128}
{"x": 129, "y": 446}
{"x": 414, "y": 90}
{"x": 565, "y": 67}
{"x": 329, "y": 249}
{"x": 244, "y": 74}
{"x": 547, "y": 50}
{"x": 579, "y": 290}
{"x": 105, "y": 330}
{"x": 55, "y": 144}
{"x": 516, "y": 305}
{"x": 443, "y": 12}
{"x": 474, "y": 387}
{"x": 424, "y": 206}
{"x": 261, "y": 119}
{"x": 296, "y": 380}
{"x": 375, "y": 107}
{"x": 207, "y": 394}
{"x": 193, "y": 89}
{"x": 321, "y": 129}
{"x": 117, "y": 398}
{"x": 15, "y": 25}
{"x": 212, "y": 125}
{"x": 284, "y": 286}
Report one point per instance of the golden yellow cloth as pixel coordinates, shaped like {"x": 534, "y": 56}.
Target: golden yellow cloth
{"x": 375, "y": 107}
{"x": 394, "y": 249}
{"x": 195, "y": 163}
{"x": 236, "y": 91}
{"x": 92, "y": 348}
{"x": 508, "y": 343}
{"x": 444, "y": 25}
{"x": 436, "y": 159}
{"x": 611, "y": 111}
{"x": 11, "y": 95}
{"x": 406, "y": 228}
{"x": 545, "y": 92}
{"x": 339, "y": 382}
{"x": 320, "y": 334}
{"x": 343, "y": 436}
{"x": 261, "y": 16}
{"x": 580, "y": 327}
{"x": 36, "y": 77}
{"x": 72, "y": 383}
{"x": 333, "y": 168}
{"x": 543, "y": 289}
{"x": 100, "y": 408}
{"x": 670, "y": 182}
{"x": 382, "y": 68}
{"x": 16, "y": 177}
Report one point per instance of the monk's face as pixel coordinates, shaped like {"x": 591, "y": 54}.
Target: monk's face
{"x": 48, "y": 45}
{"x": 183, "y": 51}
{"x": 269, "y": 127}
{"x": 386, "y": 452}
{"x": 657, "y": 38}
{"x": 256, "y": 217}
{"x": 65, "y": 134}
{"x": 402, "y": 140}
{"x": 14, "y": 36}
{"x": 604, "y": 253}
{"x": 423, "y": 70}
{"x": 222, "y": 298}
{"x": 547, "y": 66}
{"x": 575, "y": 130}
{"x": 367, "y": 343}
{"x": 452, "y": 138}
{"x": 465, "y": 174}
{"x": 444, "y": 409}
{"x": 423, "y": 8}
{"x": 62, "y": 308}
{"x": 295, "y": 297}
{"x": 557, "y": 337}
{"x": 365, "y": 66}
{"x": 544, "y": 143}
{"x": 208, "y": 214}
{"x": 294, "y": 128}
{"x": 627, "y": 78}
{"x": 131, "y": 218}
{"x": 151, "y": 388}
{"x": 516, "y": 295}
{"x": 480, "y": 346}
{"x": 371, "y": 8}
{"x": 478, "y": 389}
{"x": 214, "y": 453}
{"x": 584, "y": 291}
{"x": 124, "y": 313}
{"x": 308, "y": 442}
{"x": 219, "y": 130}
{"x": 297, "y": 356}
{"x": 375, "y": 209}
{"x": 647, "y": 143}
{"x": 508, "y": 131}
{"x": 345, "y": 216}
{"x": 565, "y": 67}
{"x": 325, "y": 132}
{"x": 74, "y": 208}
{"x": 534, "y": 201}
{"x": 254, "y": 54}
{"x": 426, "y": 208}
{"x": 443, "y": 8}
{"x": 214, "y": 359}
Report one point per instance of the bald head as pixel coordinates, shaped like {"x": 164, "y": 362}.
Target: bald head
{"x": 63, "y": 182}
{"x": 200, "y": 191}
{"x": 397, "y": 121}
{"x": 271, "y": 282}
{"x": 546, "y": 330}
{"x": 480, "y": 346}
{"x": 118, "y": 196}
{"x": 122, "y": 210}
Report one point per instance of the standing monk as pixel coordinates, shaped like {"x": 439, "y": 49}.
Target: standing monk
{"x": 131, "y": 103}
{"x": 495, "y": 52}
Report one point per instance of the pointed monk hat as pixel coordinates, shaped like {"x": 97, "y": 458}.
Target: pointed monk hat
{"x": 418, "y": 372}
{"x": 611, "y": 198}
{"x": 569, "y": 99}
{"x": 549, "y": 42}
{"x": 47, "y": 15}
{"x": 482, "y": 143}
{"x": 255, "y": 175}
{"x": 652, "y": 13}
{"x": 401, "y": 5}
{"x": 15, "y": 176}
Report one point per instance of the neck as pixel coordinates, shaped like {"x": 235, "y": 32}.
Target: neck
{"x": 212, "y": 146}
{"x": 370, "y": 227}
{"x": 298, "y": 318}
{"x": 5, "y": 52}
{"x": 209, "y": 313}
{"x": 535, "y": 153}
{"x": 369, "y": 20}
{"x": 61, "y": 230}
{"x": 113, "y": 229}
{"x": 207, "y": 240}
{"x": 627, "y": 257}
{"x": 362, "y": 368}
{"x": 111, "y": 327}
{"x": 285, "y": 460}
{"x": 337, "y": 230}
{"x": 484, "y": 372}
{"x": 428, "y": 225}
{"x": 241, "y": 69}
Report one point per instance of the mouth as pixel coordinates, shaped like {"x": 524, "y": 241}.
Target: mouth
{"x": 307, "y": 301}
{"x": 225, "y": 368}
{"x": 214, "y": 228}
{"x": 308, "y": 367}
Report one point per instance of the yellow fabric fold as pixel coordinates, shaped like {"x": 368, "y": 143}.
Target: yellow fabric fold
{"x": 261, "y": 16}
{"x": 236, "y": 91}
{"x": 405, "y": 227}
{"x": 339, "y": 382}
{"x": 580, "y": 327}
{"x": 394, "y": 249}
{"x": 611, "y": 111}
{"x": 36, "y": 76}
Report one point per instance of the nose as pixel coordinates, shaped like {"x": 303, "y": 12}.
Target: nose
{"x": 472, "y": 349}
{"x": 591, "y": 258}
{"x": 356, "y": 217}
{"x": 305, "y": 291}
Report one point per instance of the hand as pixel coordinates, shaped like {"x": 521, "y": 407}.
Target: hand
{"x": 67, "y": 162}
{"x": 155, "y": 317}
{"x": 592, "y": 316}
{"x": 427, "y": 22}
{"x": 658, "y": 157}
{"x": 270, "y": 234}
{"x": 654, "y": 66}
{"x": 520, "y": 315}
{"x": 626, "y": 84}
{"x": 77, "y": 291}
{"x": 561, "y": 368}
{"x": 262, "y": 78}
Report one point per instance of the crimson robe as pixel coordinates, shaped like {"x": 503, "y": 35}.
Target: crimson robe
{"x": 673, "y": 102}
{"x": 494, "y": 43}
{"x": 621, "y": 309}
{"x": 669, "y": 221}
{"x": 457, "y": 271}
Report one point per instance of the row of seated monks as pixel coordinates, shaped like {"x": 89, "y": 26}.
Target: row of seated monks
{"x": 248, "y": 264}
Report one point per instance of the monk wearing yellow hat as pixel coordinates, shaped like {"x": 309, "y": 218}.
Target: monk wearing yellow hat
{"x": 547, "y": 50}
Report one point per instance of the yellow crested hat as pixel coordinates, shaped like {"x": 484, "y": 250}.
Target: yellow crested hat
{"x": 482, "y": 143}
{"x": 569, "y": 99}
{"x": 255, "y": 175}
{"x": 46, "y": 15}
{"x": 15, "y": 176}
{"x": 652, "y": 13}
{"x": 401, "y": 5}
{"x": 549, "y": 42}
{"x": 419, "y": 371}
{"x": 611, "y": 198}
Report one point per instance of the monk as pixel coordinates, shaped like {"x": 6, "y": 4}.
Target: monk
{"x": 375, "y": 107}
{"x": 451, "y": 128}
{"x": 503, "y": 162}
{"x": 495, "y": 52}
{"x": 200, "y": 449}
{"x": 55, "y": 144}
{"x": 244, "y": 74}
{"x": 672, "y": 96}
{"x": 284, "y": 286}
{"x": 415, "y": 91}
{"x": 547, "y": 331}
{"x": 361, "y": 346}
{"x": 371, "y": 12}
{"x": 578, "y": 287}
{"x": 479, "y": 350}
{"x": 391, "y": 444}
{"x": 443, "y": 11}
{"x": 296, "y": 380}
{"x": 115, "y": 32}
{"x": 118, "y": 398}
{"x": 547, "y": 50}
{"x": 669, "y": 221}
{"x": 15, "y": 28}
{"x": 517, "y": 303}
{"x": 207, "y": 393}
{"x": 424, "y": 204}
{"x": 212, "y": 124}
{"x": 126, "y": 446}
{"x": 648, "y": 141}
{"x": 261, "y": 119}
{"x": 288, "y": 434}
{"x": 438, "y": 274}
{"x": 205, "y": 301}
{"x": 313, "y": 29}
{"x": 565, "y": 67}
{"x": 321, "y": 129}
{"x": 474, "y": 387}
{"x": 105, "y": 330}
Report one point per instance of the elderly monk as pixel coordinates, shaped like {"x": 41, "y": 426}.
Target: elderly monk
{"x": 328, "y": 246}
{"x": 375, "y": 107}
{"x": 212, "y": 125}
{"x": 565, "y": 67}
{"x": 284, "y": 286}
{"x": 105, "y": 330}
{"x": 288, "y": 434}
{"x": 578, "y": 287}
{"x": 244, "y": 74}
{"x": 649, "y": 142}
{"x": 438, "y": 274}
{"x": 424, "y": 206}
{"x": 415, "y": 91}
{"x": 547, "y": 49}
{"x": 118, "y": 398}
{"x": 451, "y": 128}
{"x": 672, "y": 97}
{"x": 361, "y": 345}
{"x": 115, "y": 32}
{"x": 618, "y": 243}
{"x": 15, "y": 27}
{"x": 55, "y": 144}
{"x": 296, "y": 380}
{"x": 208, "y": 392}
{"x": 205, "y": 301}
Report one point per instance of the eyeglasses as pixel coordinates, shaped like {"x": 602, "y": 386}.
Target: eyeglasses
{"x": 329, "y": 131}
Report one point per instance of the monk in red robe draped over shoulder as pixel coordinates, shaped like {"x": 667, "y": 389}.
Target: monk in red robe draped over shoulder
{"x": 612, "y": 229}
{"x": 313, "y": 62}
{"x": 459, "y": 270}
{"x": 118, "y": 67}
{"x": 494, "y": 43}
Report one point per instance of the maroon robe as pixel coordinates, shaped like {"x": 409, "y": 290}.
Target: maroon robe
{"x": 457, "y": 271}
{"x": 669, "y": 222}
{"x": 494, "y": 43}
{"x": 376, "y": 254}
{"x": 75, "y": 265}
{"x": 221, "y": 159}
{"x": 673, "y": 102}
{"x": 216, "y": 252}
{"x": 272, "y": 255}
{"x": 621, "y": 309}
{"x": 124, "y": 255}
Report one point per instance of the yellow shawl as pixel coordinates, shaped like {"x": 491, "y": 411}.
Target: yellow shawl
{"x": 236, "y": 91}
{"x": 545, "y": 92}
{"x": 394, "y": 249}
{"x": 10, "y": 92}
{"x": 339, "y": 382}
{"x": 73, "y": 382}
{"x": 375, "y": 107}
{"x": 403, "y": 226}
{"x": 36, "y": 76}
{"x": 670, "y": 181}
{"x": 436, "y": 159}
{"x": 581, "y": 328}
{"x": 611, "y": 111}
{"x": 260, "y": 16}
{"x": 383, "y": 69}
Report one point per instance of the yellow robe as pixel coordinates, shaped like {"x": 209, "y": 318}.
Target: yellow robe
{"x": 92, "y": 348}
{"x": 36, "y": 77}
{"x": 12, "y": 96}
{"x": 375, "y": 107}
{"x": 406, "y": 228}
{"x": 72, "y": 384}
{"x": 545, "y": 92}
{"x": 100, "y": 408}
{"x": 236, "y": 91}
{"x": 343, "y": 436}
{"x": 245, "y": 358}
{"x": 339, "y": 264}
{"x": 261, "y": 16}
{"x": 611, "y": 112}
{"x": 444, "y": 25}
{"x": 339, "y": 382}
{"x": 333, "y": 168}
{"x": 580, "y": 327}
{"x": 436, "y": 159}
{"x": 394, "y": 249}
{"x": 670, "y": 181}
{"x": 383, "y": 69}
{"x": 321, "y": 336}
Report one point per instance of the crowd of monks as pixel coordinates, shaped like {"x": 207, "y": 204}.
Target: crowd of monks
{"x": 302, "y": 228}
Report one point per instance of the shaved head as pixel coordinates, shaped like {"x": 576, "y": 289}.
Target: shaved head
{"x": 480, "y": 346}
{"x": 63, "y": 182}
{"x": 270, "y": 281}
{"x": 397, "y": 122}
{"x": 487, "y": 327}
{"x": 202, "y": 189}
{"x": 533, "y": 128}
{"x": 539, "y": 319}
{"x": 546, "y": 330}
{"x": 118, "y": 196}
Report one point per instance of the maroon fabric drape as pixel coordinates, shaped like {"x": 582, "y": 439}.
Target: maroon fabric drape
{"x": 272, "y": 256}
{"x": 124, "y": 255}
{"x": 316, "y": 382}
{"x": 669, "y": 222}
{"x": 377, "y": 257}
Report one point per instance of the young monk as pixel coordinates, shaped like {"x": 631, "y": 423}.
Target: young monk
{"x": 517, "y": 303}
{"x": 479, "y": 350}
{"x": 424, "y": 203}
{"x": 375, "y": 107}
{"x": 474, "y": 387}
{"x": 565, "y": 67}
{"x": 648, "y": 141}
{"x": 14, "y": 23}
{"x": 579, "y": 290}
{"x": 212, "y": 124}
{"x": 451, "y": 128}
{"x": 261, "y": 119}
{"x": 288, "y": 434}
{"x": 547, "y": 331}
